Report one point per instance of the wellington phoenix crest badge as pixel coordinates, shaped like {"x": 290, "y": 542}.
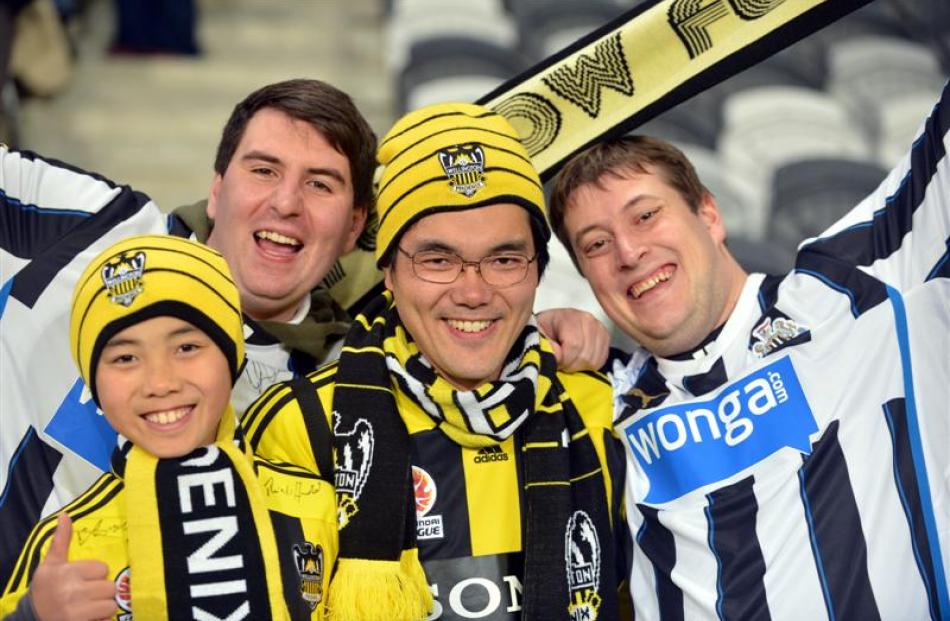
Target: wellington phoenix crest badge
{"x": 464, "y": 165}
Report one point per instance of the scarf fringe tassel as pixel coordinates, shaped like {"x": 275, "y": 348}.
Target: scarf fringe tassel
{"x": 368, "y": 590}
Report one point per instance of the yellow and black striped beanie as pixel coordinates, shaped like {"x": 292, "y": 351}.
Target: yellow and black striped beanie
{"x": 447, "y": 157}
{"x": 152, "y": 276}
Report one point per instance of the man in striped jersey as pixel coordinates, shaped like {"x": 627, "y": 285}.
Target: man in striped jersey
{"x": 788, "y": 441}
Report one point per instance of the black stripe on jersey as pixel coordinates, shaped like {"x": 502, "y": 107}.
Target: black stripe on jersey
{"x": 834, "y": 524}
{"x": 906, "y": 479}
{"x": 768, "y": 292}
{"x": 705, "y": 382}
{"x": 96, "y": 497}
{"x": 658, "y": 545}
{"x": 26, "y": 229}
{"x": 864, "y": 243}
{"x": 32, "y": 280}
{"x": 731, "y": 514}
{"x": 266, "y": 416}
{"x": 288, "y": 531}
{"x": 285, "y": 468}
{"x": 28, "y": 487}
{"x": 441, "y": 458}
{"x": 649, "y": 392}
{"x": 864, "y": 291}
{"x": 258, "y": 335}
{"x": 941, "y": 268}
{"x": 315, "y": 420}
{"x": 256, "y": 410}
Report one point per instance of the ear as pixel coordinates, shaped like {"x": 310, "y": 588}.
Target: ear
{"x": 388, "y": 277}
{"x": 708, "y": 213}
{"x": 213, "y": 192}
{"x": 360, "y": 215}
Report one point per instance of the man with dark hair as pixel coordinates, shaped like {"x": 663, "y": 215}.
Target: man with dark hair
{"x": 787, "y": 437}
{"x": 468, "y": 469}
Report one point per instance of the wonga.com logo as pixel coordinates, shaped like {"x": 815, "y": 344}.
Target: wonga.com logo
{"x": 687, "y": 446}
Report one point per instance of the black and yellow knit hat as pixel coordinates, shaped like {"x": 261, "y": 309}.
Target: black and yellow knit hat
{"x": 152, "y": 276}
{"x": 447, "y": 157}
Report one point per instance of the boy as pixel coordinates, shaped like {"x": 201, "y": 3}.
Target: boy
{"x": 186, "y": 518}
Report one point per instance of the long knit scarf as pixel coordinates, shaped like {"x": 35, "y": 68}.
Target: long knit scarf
{"x": 649, "y": 59}
{"x": 569, "y": 566}
{"x": 201, "y": 543}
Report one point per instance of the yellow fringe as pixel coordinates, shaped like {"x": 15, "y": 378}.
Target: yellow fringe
{"x": 365, "y": 590}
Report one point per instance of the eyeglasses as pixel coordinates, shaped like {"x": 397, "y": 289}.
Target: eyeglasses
{"x": 443, "y": 268}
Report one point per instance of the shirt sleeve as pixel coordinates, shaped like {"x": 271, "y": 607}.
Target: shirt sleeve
{"x": 900, "y": 233}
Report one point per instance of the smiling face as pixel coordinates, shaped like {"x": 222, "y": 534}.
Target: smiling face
{"x": 660, "y": 271}
{"x": 164, "y": 385}
{"x": 465, "y": 328}
{"x": 283, "y": 213}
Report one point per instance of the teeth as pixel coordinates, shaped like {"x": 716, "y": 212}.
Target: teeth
{"x": 642, "y": 287}
{"x": 277, "y": 238}
{"x": 167, "y": 417}
{"x": 469, "y": 326}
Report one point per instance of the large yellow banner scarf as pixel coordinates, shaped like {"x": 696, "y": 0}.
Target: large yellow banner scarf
{"x": 645, "y": 62}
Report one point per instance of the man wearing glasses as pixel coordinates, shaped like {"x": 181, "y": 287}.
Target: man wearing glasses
{"x": 472, "y": 479}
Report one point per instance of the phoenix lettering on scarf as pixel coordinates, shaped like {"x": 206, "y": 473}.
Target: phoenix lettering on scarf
{"x": 216, "y": 577}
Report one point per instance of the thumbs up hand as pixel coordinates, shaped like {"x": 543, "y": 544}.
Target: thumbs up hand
{"x": 64, "y": 590}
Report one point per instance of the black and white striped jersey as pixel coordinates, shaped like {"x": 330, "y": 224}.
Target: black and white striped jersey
{"x": 53, "y": 444}
{"x": 797, "y": 464}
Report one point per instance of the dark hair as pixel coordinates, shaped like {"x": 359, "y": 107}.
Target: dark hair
{"x": 328, "y": 109}
{"x": 620, "y": 157}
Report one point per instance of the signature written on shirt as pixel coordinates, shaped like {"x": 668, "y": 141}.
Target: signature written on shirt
{"x": 291, "y": 489}
{"x": 84, "y": 532}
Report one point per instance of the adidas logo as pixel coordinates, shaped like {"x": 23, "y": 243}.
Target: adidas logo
{"x": 490, "y": 453}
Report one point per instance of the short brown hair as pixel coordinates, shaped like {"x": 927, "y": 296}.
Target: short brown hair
{"x": 328, "y": 109}
{"x": 620, "y": 157}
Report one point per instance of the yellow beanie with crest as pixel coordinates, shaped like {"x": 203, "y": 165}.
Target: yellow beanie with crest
{"x": 447, "y": 157}
{"x": 149, "y": 276}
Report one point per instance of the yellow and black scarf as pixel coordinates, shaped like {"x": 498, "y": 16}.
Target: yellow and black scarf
{"x": 199, "y": 533}
{"x": 563, "y": 483}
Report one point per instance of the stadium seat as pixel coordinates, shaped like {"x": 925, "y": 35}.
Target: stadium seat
{"x": 696, "y": 121}
{"x": 546, "y": 27}
{"x": 803, "y": 64}
{"x": 767, "y": 127}
{"x": 733, "y": 196}
{"x": 866, "y": 71}
{"x": 760, "y": 256}
{"x": 416, "y": 21}
{"x": 811, "y": 195}
{"x": 900, "y": 117}
{"x": 436, "y": 66}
